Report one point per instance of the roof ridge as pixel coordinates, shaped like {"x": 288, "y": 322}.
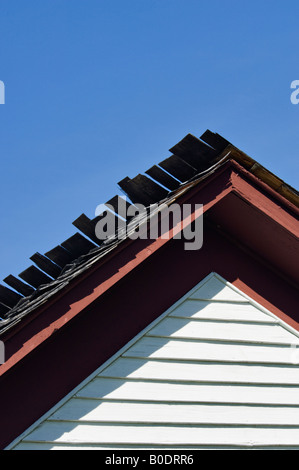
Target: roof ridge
{"x": 191, "y": 158}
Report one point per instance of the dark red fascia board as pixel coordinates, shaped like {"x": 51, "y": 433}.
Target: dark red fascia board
{"x": 79, "y": 329}
{"x": 229, "y": 179}
{"x": 107, "y": 271}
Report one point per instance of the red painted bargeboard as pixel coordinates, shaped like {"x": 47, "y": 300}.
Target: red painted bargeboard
{"x": 39, "y": 380}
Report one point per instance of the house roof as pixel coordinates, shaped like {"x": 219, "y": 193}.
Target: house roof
{"x": 192, "y": 161}
{"x": 106, "y": 293}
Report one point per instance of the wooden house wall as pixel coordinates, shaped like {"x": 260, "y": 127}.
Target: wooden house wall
{"x": 216, "y": 371}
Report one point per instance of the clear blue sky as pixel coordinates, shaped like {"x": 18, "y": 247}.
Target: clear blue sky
{"x": 98, "y": 90}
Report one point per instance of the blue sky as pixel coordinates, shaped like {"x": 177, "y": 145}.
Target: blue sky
{"x": 99, "y": 90}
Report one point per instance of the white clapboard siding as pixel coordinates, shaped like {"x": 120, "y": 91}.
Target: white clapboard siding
{"x": 79, "y": 409}
{"x": 189, "y": 329}
{"x": 214, "y": 289}
{"x": 215, "y": 371}
{"x": 203, "y": 372}
{"x": 100, "y": 433}
{"x": 186, "y": 392}
{"x": 109, "y": 447}
{"x": 207, "y": 310}
{"x": 176, "y": 349}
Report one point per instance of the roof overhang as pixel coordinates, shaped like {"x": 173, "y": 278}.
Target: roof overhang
{"x": 244, "y": 219}
{"x": 234, "y": 201}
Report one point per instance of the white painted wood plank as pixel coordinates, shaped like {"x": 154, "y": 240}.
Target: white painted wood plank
{"x": 221, "y": 311}
{"x": 135, "y": 412}
{"x": 257, "y": 333}
{"x": 22, "y": 446}
{"x": 214, "y": 289}
{"x": 111, "y": 447}
{"x": 171, "y": 435}
{"x": 163, "y": 348}
{"x": 208, "y": 372}
{"x": 70, "y": 446}
{"x": 79, "y": 447}
{"x": 118, "y": 389}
